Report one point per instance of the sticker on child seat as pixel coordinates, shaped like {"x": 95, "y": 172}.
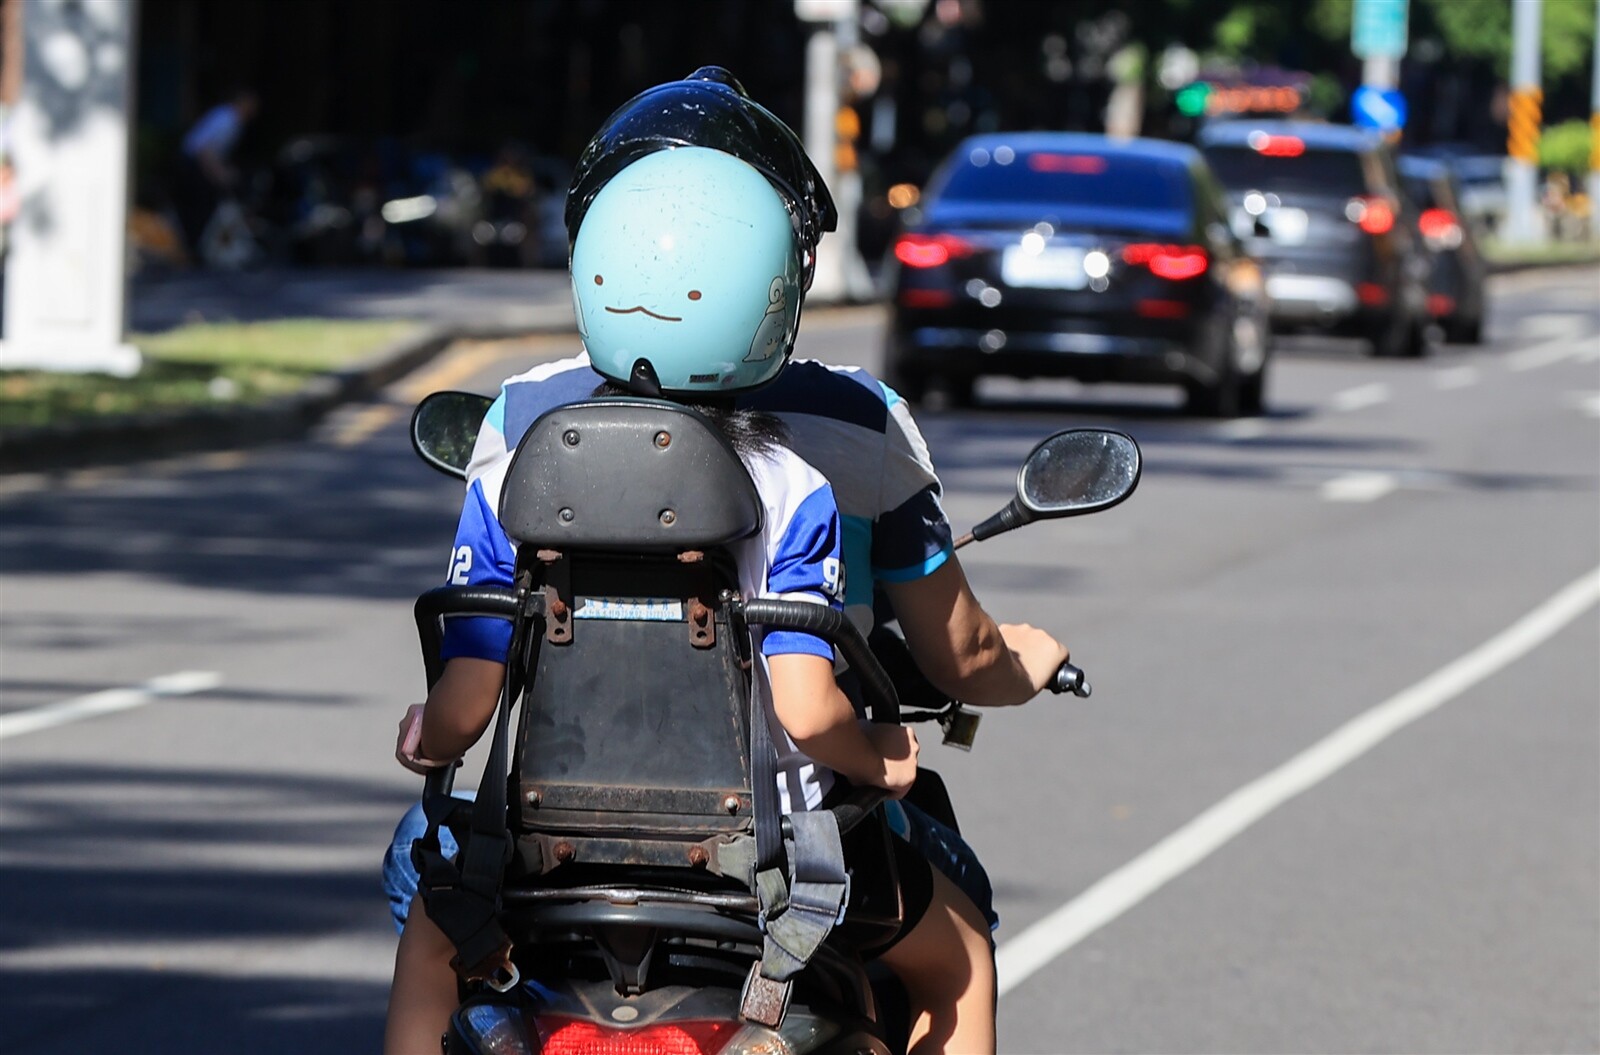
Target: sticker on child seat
{"x": 646, "y": 611}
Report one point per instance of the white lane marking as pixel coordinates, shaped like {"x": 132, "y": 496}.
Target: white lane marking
{"x": 1359, "y": 487}
{"x": 1361, "y": 396}
{"x": 1455, "y": 377}
{"x": 1538, "y": 327}
{"x": 1588, "y": 402}
{"x": 1242, "y": 429}
{"x": 1124, "y": 888}
{"x": 108, "y": 701}
{"x": 1545, "y": 354}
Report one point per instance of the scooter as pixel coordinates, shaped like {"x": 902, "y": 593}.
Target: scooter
{"x": 614, "y": 892}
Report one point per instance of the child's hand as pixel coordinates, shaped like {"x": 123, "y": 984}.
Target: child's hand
{"x": 898, "y": 746}
{"x": 410, "y": 739}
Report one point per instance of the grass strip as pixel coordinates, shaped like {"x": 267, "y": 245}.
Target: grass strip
{"x": 204, "y": 364}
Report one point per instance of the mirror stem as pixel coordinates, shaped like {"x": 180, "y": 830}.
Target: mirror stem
{"x": 963, "y": 540}
{"x": 1011, "y": 517}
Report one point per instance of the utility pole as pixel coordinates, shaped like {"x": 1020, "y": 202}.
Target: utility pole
{"x": 66, "y": 266}
{"x": 1522, "y": 126}
{"x": 840, "y": 273}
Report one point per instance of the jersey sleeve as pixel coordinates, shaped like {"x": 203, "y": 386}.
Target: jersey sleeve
{"x": 911, "y": 537}
{"x": 481, "y": 556}
{"x": 804, "y": 565}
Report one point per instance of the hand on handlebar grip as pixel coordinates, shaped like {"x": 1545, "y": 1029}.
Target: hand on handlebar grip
{"x": 1039, "y": 653}
{"x": 899, "y": 748}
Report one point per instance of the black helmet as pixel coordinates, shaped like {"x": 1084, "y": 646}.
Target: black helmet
{"x": 708, "y": 108}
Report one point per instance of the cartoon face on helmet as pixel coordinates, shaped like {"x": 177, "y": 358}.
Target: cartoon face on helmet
{"x": 688, "y": 260}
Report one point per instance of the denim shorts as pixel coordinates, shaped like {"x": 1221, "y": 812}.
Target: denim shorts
{"x": 945, "y": 849}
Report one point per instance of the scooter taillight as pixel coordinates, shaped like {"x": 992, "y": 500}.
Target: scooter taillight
{"x": 567, "y": 1036}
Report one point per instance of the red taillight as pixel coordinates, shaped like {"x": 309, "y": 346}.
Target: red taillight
{"x": 922, "y": 250}
{"x": 1175, "y": 262}
{"x": 1440, "y": 305}
{"x": 1277, "y": 146}
{"x": 1372, "y": 215}
{"x": 573, "y": 1037}
{"x": 926, "y": 298}
{"x": 1153, "y": 308}
{"x": 1372, "y": 294}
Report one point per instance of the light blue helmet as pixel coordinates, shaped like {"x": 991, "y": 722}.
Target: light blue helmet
{"x": 688, "y": 263}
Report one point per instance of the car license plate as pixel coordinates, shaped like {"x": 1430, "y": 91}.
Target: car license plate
{"x": 1284, "y": 226}
{"x": 1053, "y": 267}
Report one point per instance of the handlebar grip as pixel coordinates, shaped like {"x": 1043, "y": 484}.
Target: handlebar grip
{"x": 1071, "y": 679}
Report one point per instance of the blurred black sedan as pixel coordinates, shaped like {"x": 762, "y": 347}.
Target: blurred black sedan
{"x": 1068, "y": 255}
{"x": 1455, "y": 285}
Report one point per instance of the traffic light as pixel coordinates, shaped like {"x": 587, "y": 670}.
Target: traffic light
{"x": 1191, "y": 98}
{"x": 846, "y": 130}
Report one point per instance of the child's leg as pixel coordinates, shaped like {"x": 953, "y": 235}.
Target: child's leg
{"x": 423, "y": 996}
{"x": 947, "y": 965}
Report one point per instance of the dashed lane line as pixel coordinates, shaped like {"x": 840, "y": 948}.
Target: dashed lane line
{"x": 109, "y": 701}
{"x": 1361, "y": 397}
{"x": 1455, "y": 377}
{"x": 1112, "y": 896}
{"x": 1359, "y": 487}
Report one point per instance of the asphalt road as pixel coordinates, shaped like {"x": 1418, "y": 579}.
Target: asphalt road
{"x": 1338, "y": 788}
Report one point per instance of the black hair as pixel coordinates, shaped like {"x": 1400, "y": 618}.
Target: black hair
{"x": 750, "y": 432}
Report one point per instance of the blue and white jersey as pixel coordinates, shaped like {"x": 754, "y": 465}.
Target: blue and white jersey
{"x": 795, "y": 556}
{"x": 852, "y": 428}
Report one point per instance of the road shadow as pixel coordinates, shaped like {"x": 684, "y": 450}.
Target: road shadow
{"x": 117, "y": 900}
{"x": 305, "y": 518}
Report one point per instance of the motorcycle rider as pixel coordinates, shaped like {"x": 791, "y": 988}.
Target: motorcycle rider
{"x": 853, "y": 429}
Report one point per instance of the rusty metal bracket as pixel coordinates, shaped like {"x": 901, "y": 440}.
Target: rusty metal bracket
{"x": 702, "y": 627}
{"x": 557, "y": 597}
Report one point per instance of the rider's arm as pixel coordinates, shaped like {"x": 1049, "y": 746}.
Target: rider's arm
{"x": 822, "y": 723}
{"x": 962, "y": 650}
{"x": 460, "y": 706}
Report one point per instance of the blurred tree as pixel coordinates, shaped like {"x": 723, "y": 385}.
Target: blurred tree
{"x": 1565, "y": 147}
{"x": 1482, "y": 29}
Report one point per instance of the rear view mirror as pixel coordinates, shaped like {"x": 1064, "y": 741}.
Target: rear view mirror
{"x": 1078, "y": 471}
{"x": 444, "y": 429}
{"x": 1072, "y": 473}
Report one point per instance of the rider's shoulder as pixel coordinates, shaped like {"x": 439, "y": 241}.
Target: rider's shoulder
{"x": 848, "y": 394}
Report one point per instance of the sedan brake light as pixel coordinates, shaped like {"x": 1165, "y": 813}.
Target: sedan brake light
{"x": 1175, "y": 262}
{"x": 1373, "y": 215}
{"x": 924, "y": 250}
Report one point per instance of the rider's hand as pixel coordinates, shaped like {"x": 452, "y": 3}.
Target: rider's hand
{"x": 898, "y": 746}
{"x": 409, "y": 741}
{"x": 1039, "y": 654}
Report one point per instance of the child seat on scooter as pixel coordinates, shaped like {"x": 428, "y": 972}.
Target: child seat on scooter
{"x": 634, "y": 744}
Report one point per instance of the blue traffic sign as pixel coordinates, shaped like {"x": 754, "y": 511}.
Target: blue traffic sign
{"x": 1380, "y": 108}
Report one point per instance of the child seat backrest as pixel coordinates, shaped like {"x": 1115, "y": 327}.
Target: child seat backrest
{"x": 634, "y": 741}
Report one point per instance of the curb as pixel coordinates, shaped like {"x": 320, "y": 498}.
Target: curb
{"x": 138, "y": 437}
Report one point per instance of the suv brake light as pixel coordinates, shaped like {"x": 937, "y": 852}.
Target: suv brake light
{"x": 1373, "y": 215}
{"x": 1272, "y": 146}
{"x": 1175, "y": 262}
{"x": 924, "y": 250}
